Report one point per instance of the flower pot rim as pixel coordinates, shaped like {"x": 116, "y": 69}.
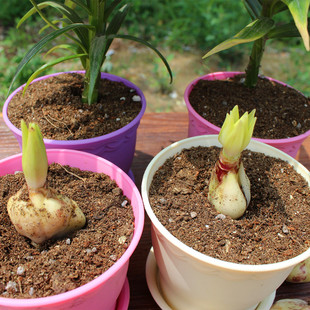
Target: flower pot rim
{"x": 74, "y": 143}
{"x": 92, "y": 284}
{"x": 175, "y": 148}
{"x": 216, "y": 128}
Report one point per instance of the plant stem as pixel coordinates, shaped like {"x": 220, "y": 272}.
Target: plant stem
{"x": 94, "y": 97}
{"x": 252, "y": 69}
{"x": 93, "y": 20}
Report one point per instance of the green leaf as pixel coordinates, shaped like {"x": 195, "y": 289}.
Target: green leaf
{"x": 299, "y": 10}
{"x": 149, "y": 45}
{"x": 285, "y": 31}
{"x": 70, "y": 14}
{"x": 69, "y": 47}
{"x": 49, "y": 65}
{"x": 39, "y": 46}
{"x": 116, "y": 24}
{"x": 110, "y": 9}
{"x": 54, "y": 22}
{"x": 252, "y": 32}
{"x": 117, "y": 20}
{"x": 30, "y": 13}
{"x": 66, "y": 11}
{"x": 96, "y": 56}
{"x": 253, "y": 7}
{"x": 278, "y": 7}
{"x": 82, "y": 5}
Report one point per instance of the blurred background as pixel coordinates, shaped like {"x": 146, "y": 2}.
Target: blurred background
{"x": 183, "y": 30}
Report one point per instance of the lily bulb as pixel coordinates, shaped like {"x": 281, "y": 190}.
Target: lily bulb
{"x": 229, "y": 188}
{"x": 290, "y": 304}
{"x": 300, "y": 273}
{"x": 46, "y": 214}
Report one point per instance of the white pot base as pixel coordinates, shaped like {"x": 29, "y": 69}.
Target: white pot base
{"x": 151, "y": 271}
{"x": 123, "y": 298}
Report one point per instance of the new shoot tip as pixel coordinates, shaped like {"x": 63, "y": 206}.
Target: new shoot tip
{"x": 229, "y": 188}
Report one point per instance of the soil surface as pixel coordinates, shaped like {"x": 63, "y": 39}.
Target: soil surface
{"x": 55, "y": 105}
{"x": 281, "y": 111}
{"x": 275, "y": 226}
{"x": 61, "y": 265}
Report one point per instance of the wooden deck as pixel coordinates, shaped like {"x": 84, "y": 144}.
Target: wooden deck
{"x": 156, "y": 131}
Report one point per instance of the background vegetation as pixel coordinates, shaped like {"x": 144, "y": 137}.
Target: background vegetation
{"x": 183, "y": 29}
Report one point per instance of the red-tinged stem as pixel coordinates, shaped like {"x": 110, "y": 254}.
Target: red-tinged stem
{"x": 223, "y": 166}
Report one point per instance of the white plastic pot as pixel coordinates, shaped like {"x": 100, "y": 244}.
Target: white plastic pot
{"x": 188, "y": 279}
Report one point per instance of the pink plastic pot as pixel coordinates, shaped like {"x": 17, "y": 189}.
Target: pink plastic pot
{"x": 112, "y": 146}
{"x": 110, "y": 290}
{"x": 199, "y": 126}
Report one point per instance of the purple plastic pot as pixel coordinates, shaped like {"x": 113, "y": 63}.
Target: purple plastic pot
{"x": 199, "y": 126}
{"x": 117, "y": 147}
{"x": 110, "y": 290}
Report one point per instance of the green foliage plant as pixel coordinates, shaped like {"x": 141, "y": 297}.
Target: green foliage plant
{"x": 264, "y": 27}
{"x": 90, "y": 41}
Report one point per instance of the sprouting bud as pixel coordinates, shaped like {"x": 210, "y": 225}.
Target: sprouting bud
{"x": 229, "y": 188}
{"x": 290, "y": 304}
{"x": 300, "y": 273}
{"x": 46, "y": 214}
{"x": 34, "y": 159}
{"x": 236, "y": 133}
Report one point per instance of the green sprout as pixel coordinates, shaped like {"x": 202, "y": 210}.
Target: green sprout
{"x": 90, "y": 41}
{"x": 264, "y": 27}
{"x": 229, "y": 188}
{"x": 47, "y": 214}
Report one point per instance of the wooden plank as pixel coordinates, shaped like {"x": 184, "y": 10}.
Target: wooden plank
{"x": 156, "y": 131}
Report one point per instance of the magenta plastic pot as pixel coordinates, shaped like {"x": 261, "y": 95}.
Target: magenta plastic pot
{"x": 110, "y": 290}
{"x": 117, "y": 147}
{"x": 199, "y": 126}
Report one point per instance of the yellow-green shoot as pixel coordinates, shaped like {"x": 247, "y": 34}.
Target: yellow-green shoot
{"x": 46, "y": 214}
{"x": 229, "y": 188}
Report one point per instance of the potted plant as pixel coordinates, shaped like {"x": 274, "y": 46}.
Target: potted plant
{"x": 202, "y": 258}
{"x": 111, "y": 106}
{"x": 208, "y": 99}
{"x": 48, "y": 266}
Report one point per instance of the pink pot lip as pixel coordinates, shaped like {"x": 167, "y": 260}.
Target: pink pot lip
{"x": 79, "y": 291}
{"x": 73, "y": 143}
{"x": 219, "y": 75}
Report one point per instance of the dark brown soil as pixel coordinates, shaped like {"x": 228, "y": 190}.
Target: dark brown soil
{"x": 67, "y": 263}
{"x": 55, "y": 104}
{"x": 281, "y": 111}
{"x": 275, "y": 227}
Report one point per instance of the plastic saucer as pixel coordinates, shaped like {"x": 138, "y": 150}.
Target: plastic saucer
{"x": 124, "y": 297}
{"x": 153, "y": 285}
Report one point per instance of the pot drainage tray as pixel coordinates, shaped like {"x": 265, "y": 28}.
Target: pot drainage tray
{"x": 123, "y": 298}
{"x": 152, "y": 282}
